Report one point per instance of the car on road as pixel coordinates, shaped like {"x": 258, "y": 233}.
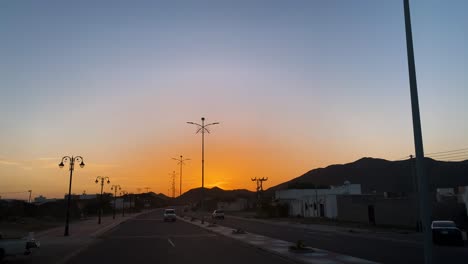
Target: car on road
{"x": 16, "y": 246}
{"x": 169, "y": 215}
{"x": 217, "y": 214}
{"x": 446, "y": 232}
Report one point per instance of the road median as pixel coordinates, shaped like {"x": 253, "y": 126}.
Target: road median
{"x": 276, "y": 246}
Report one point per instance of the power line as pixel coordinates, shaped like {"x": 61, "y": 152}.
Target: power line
{"x": 447, "y": 151}
{"x": 455, "y": 157}
{"x": 13, "y": 192}
{"x": 449, "y": 154}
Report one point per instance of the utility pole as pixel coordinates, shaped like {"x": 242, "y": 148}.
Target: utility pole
{"x": 259, "y": 183}
{"x": 173, "y": 175}
{"x": 29, "y": 200}
{"x": 147, "y": 189}
{"x": 180, "y": 162}
{"x": 424, "y": 204}
{"x": 415, "y": 188}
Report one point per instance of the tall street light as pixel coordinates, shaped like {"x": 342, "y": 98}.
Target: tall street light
{"x": 102, "y": 179}
{"x": 115, "y": 188}
{"x": 424, "y": 204}
{"x": 72, "y": 161}
{"x": 180, "y": 162}
{"x": 203, "y": 128}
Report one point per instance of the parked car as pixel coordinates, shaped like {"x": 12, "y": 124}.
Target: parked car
{"x": 218, "y": 214}
{"x": 446, "y": 232}
{"x": 169, "y": 215}
{"x": 16, "y": 246}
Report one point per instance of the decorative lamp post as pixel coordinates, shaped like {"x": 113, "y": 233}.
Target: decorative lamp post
{"x": 71, "y": 160}
{"x": 115, "y": 188}
{"x": 102, "y": 179}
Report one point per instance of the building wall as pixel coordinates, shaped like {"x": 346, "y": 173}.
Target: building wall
{"x": 307, "y": 202}
{"x": 237, "y": 205}
{"x": 387, "y": 211}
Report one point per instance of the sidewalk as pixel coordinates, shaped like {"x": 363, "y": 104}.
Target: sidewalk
{"x": 55, "y": 248}
{"x": 280, "y": 247}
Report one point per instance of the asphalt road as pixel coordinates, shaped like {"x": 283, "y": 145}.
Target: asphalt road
{"x": 148, "y": 239}
{"x": 375, "y": 247}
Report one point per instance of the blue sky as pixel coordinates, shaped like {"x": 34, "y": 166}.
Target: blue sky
{"x": 311, "y": 83}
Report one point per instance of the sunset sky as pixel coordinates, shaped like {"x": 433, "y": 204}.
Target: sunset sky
{"x": 296, "y": 85}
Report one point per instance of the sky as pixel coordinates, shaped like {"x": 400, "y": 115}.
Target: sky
{"x": 295, "y": 85}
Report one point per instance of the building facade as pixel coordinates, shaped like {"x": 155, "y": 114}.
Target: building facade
{"x": 315, "y": 202}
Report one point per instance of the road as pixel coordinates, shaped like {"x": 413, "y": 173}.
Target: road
{"x": 375, "y": 247}
{"x": 147, "y": 239}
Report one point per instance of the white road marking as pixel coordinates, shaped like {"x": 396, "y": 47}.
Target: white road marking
{"x": 147, "y": 219}
{"x": 170, "y": 242}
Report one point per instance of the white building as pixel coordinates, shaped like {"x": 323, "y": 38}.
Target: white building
{"x": 315, "y": 202}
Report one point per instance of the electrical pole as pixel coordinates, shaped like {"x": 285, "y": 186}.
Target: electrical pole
{"x": 173, "y": 175}
{"x": 424, "y": 204}
{"x": 29, "y": 200}
{"x": 147, "y": 189}
{"x": 259, "y": 183}
{"x": 180, "y": 162}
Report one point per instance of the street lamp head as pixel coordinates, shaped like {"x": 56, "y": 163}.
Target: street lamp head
{"x": 82, "y": 164}
{"x": 96, "y": 181}
{"x": 61, "y": 165}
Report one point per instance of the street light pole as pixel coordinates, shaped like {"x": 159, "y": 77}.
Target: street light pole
{"x": 203, "y": 128}
{"x": 102, "y": 179}
{"x": 71, "y": 161}
{"x": 115, "y": 188}
{"x": 123, "y": 193}
{"x": 424, "y": 205}
{"x": 180, "y": 162}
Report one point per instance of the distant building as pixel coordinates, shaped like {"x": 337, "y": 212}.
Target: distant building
{"x": 315, "y": 202}
{"x": 119, "y": 203}
{"x": 42, "y": 199}
{"x": 88, "y": 196}
{"x": 239, "y": 204}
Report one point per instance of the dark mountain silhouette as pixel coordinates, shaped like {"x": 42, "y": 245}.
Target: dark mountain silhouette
{"x": 382, "y": 175}
{"x": 161, "y": 196}
{"x": 215, "y": 193}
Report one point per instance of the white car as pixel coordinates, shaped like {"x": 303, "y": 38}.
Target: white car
{"x": 169, "y": 215}
{"x": 16, "y": 246}
{"x": 218, "y": 214}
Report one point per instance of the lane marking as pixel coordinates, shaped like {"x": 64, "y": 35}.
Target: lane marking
{"x": 147, "y": 219}
{"x": 163, "y": 236}
{"x": 170, "y": 242}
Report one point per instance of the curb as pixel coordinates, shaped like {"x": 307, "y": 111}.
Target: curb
{"x": 348, "y": 232}
{"x": 319, "y": 256}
